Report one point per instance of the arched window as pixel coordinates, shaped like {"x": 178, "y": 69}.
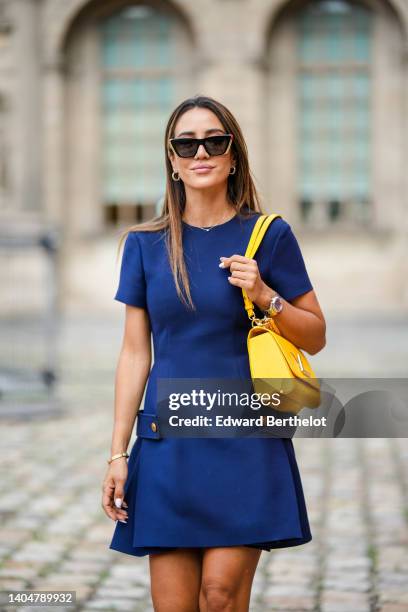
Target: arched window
{"x": 334, "y": 48}
{"x": 140, "y": 50}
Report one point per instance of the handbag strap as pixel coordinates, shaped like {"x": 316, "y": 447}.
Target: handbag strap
{"x": 260, "y": 227}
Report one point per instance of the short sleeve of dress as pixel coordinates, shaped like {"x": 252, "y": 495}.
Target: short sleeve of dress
{"x": 288, "y": 273}
{"x": 132, "y": 283}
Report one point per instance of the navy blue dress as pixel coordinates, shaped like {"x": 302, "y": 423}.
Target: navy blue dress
{"x": 199, "y": 492}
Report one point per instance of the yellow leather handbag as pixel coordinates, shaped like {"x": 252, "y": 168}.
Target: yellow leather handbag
{"x": 276, "y": 364}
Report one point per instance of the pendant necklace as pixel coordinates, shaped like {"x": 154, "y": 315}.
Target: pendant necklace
{"x": 207, "y": 229}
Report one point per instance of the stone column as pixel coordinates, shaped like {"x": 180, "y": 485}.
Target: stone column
{"x": 27, "y": 107}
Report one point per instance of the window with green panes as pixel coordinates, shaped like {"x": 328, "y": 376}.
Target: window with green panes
{"x": 137, "y": 96}
{"x": 334, "y": 49}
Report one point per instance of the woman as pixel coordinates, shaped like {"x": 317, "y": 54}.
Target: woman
{"x": 203, "y": 509}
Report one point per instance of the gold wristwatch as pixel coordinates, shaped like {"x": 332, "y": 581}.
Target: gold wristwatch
{"x": 275, "y": 307}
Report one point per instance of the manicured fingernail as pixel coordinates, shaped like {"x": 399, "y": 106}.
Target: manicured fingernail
{"x": 118, "y": 502}
{"x": 221, "y": 265}
{"x": 123, "y": 521}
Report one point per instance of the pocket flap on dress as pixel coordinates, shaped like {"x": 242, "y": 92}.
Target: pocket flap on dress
{"x": 147, "y": 425}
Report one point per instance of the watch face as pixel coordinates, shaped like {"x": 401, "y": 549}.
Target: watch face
{"x": 277, "y": 303}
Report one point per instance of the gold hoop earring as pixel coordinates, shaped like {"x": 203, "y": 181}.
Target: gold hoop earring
{"x": 173, "y": 176}
{"x": 234, "y": 169}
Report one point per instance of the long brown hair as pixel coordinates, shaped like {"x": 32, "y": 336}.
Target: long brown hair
{"x": 241, "y": 191}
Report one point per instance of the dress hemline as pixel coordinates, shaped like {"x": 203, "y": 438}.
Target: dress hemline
{"x": 141, "y": 551}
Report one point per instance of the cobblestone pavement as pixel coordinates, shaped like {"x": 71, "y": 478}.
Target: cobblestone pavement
{"x": 54, "y": 534}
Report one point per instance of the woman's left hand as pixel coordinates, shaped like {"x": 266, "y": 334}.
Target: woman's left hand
{"x": 245, "y": 274}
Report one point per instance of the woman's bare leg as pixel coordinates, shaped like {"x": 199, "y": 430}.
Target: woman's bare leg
{"x": 175, "y": 580}
{"x": 227, "y": 575}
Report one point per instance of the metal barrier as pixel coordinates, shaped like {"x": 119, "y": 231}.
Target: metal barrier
{"x": 28, "y": 380}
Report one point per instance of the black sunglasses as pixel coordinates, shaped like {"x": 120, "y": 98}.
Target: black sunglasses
{"x": 214, "y": 145}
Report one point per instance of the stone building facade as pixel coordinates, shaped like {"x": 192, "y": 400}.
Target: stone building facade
{"x": 320, "y": 88}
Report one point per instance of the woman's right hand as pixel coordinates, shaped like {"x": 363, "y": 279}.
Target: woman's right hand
{"x": 113, "y": 490}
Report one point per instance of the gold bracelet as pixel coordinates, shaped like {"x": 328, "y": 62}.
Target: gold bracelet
{"x": 117, "y": 457}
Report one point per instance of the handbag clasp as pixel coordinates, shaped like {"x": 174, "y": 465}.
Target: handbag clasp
{"x": 256, "y": 321}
